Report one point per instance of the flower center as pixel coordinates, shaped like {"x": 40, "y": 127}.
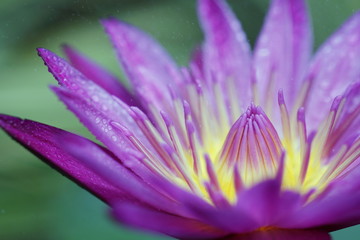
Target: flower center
{"x": 197, "y": 144}
{"x": 252, "y": 150}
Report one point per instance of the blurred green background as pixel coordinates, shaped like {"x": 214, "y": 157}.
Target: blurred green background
{"x": 35, "y": 201}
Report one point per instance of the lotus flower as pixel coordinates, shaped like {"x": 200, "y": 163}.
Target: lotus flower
{"x": 234, "y": 143}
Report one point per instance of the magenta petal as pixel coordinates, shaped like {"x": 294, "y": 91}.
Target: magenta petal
{"x": 282, "y": 51}
{"x": 153, "y": 220}
{"x": 146, "y": 63}
{"x": 282, "y": 234}
{"x": 42, "y": 140}
{"x": 334, "y": 67}
{"x": 229, "y": 218}
{"x": 262, "y": 202}
{"x": 99, "y": 75}
{"x": 288, "y": 203}
{"x": 226, "y": 50}
{"x": 266, "y": 204}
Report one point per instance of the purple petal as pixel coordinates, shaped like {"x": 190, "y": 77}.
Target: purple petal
{"x": 146, "y": 63}
{"x": 334, "y": 67}
{"x": 226, "y": 50}
{"x": 332, "y": 213}
{"x": 282, "y": 51}
{"x": 266, "y": 204}
{"x": 337, "y": 208}
{"x": 283, "y": 234}
{"x": 229, "y": 218}
{"x": 97, "y": 97}
{"x": 42, "y": 140}
{"x": 99, "y": 75}
{"x": 178, "y": 227}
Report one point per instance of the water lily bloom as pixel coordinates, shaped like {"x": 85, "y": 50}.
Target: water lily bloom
{"x": 235, "y": 142}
